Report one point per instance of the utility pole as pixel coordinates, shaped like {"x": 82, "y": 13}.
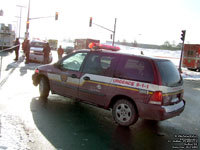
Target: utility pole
{"x": 27, "y": 22}
{"x": 20, "y": 18}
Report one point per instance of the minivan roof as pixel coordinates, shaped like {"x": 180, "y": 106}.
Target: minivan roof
{"x": 124, "y": 53}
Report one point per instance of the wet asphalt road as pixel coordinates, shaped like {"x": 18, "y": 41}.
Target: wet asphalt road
{"x": 69, "y": 125}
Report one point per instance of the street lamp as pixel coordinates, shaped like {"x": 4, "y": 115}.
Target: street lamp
{"x": 20, "y": 18}
{"x": 27, "y": 25}
{"x": 15, "y": 23}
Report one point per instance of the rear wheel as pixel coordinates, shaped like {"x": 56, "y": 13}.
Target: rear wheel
{"x": 124, "y": 112}
{"x": 44, "y": 88}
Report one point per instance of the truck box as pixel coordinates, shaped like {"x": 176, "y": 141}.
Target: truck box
{"x": 83, "y": 43}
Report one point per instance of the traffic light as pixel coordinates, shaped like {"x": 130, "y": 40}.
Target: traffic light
{"x": 183, "y": 35}
{"x": 27, "y": 24}
{"x": 90, "y": 22}
{"x": 56, "y": 16}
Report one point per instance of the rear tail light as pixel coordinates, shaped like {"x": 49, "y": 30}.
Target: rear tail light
{"x": 156, "y": 98}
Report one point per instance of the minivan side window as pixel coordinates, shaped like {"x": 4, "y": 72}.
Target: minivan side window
{"x": 100, "y": 64}
{"x": 135, "y": 69}
{"x": 73, "y": 62}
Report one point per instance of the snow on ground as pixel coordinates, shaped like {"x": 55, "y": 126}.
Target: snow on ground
{"x": 13, "y": 135}
{"x": 174, "y": 56}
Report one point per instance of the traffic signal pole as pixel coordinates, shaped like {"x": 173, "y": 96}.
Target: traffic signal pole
{"x": 28, "y": 20}
{"x": 113, "y": 31}
{"x": 182, "y": 50}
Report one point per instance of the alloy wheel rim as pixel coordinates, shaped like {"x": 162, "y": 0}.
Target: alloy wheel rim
{"x": 123, "y": 113}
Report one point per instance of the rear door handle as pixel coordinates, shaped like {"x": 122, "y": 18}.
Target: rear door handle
{"x": 86, "y": 78}
{"x": 74, "y": 76}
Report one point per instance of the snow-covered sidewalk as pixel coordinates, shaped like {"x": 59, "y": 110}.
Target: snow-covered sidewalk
{"x": 13, "y": 133}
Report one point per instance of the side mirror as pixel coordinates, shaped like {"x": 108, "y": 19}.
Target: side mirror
{"x": 58, "y": 65}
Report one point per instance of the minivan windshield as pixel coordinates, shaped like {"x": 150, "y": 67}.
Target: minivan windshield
{"x": 169, "y": 73}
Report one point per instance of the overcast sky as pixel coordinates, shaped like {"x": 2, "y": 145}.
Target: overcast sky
{"x": 146, "y": 21}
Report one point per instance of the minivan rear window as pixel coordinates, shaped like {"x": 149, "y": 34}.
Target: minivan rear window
{"x": 169, "y": 73}
{"x": 37, "y": 44}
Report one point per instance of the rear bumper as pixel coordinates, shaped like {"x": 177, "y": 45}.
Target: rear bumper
{"x": 155, "y": 112}
{"x": 175, "y": 107}
{"x": 39, "y": 58}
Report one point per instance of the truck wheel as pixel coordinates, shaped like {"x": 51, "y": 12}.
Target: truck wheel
{"x": 44, "y": 88}
{"x": 124, "y": 112}
{"x": 191, "y": 69}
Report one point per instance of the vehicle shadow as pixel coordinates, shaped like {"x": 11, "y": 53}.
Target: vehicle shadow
{"x": 31, "y": 66}
{"x": 22, "y": 68}
{"x": 74, "y": 125}
{"x": 10, "y": 68}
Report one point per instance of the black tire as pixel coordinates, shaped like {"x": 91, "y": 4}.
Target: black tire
{"x": 124, "y": 113}
{"x": 191, "y": 69}
{"x": 44, "y": 88}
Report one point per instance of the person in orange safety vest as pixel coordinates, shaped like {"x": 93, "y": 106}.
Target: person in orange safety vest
{"x": 60, "y": 52}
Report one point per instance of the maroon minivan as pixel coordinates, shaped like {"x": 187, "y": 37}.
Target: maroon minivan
{"x": 131, "y": 86}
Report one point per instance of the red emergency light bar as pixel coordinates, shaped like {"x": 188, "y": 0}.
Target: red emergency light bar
{"x": 103, "y": 46}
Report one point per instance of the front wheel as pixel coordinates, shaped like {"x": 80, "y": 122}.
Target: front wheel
{"x": 44, "y": 88}
{"x": 124, "y": 112}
